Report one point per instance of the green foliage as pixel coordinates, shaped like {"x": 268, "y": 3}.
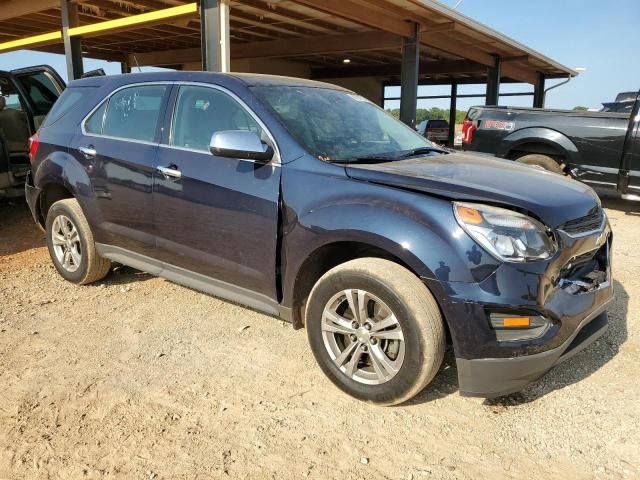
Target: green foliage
{"x": 580, "y": 108}
{"x": 431, "y": 114}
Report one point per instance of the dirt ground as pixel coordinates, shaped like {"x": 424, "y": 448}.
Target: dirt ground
{"x": 136, "y": 377}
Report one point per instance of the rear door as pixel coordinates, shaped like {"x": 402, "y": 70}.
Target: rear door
{"x": 217, "y": 216}
{"x": 117, "y": 146}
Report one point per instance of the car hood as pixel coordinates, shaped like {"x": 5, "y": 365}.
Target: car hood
{"x": 472, "y": 177}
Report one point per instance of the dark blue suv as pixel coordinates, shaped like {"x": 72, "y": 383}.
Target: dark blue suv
{"x": 306, "y": 201}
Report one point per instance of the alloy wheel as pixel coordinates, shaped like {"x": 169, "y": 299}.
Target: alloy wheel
{"x": 363, "y": 337}
{"x": 66, "y": 243}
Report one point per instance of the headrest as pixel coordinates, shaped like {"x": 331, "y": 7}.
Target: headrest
{"x": 3, "y": 102}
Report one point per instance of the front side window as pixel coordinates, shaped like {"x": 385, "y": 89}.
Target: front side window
{"x": 335, "y": 125}
{"x": 131, "y": 113}
{"x": 202, "y": 111}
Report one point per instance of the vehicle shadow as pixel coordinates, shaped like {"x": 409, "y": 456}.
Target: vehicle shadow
{"x": 614, "y": 202}
{"x": 18, "y": 232}
{"x": 444, "y": 384}
{"x": 583, "y": 364}
{"x": 123, "y": 275}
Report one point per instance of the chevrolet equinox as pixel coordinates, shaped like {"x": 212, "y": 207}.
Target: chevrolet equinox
{"x": 308, "y": 202}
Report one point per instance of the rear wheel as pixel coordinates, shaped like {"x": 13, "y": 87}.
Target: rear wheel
{"x": 375, "y": 330}
{"x": 543, "y": 161}
{"x": 71, "y": 244}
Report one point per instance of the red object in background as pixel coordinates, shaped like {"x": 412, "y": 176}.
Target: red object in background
{"x": 468, "y": 127}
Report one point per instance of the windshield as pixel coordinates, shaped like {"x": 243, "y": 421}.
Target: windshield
{"x": 339, "y": 126}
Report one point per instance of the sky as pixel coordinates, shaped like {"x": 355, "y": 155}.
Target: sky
{"x": 600, "y": 36}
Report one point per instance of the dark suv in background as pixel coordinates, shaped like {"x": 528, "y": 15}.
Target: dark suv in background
{"x": 306, "y": 201}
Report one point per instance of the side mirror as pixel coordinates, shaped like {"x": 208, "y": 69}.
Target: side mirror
{"x": 240, "y": 144}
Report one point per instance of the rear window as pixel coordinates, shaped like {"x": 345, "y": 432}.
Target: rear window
{"x": 438, "y": 124}
{"x": 69, "y": 99}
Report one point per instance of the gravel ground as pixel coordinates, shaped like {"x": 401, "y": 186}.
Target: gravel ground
{"x": 136, "y": 377}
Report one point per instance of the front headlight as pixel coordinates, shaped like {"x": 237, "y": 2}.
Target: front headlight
{"x": 507, "y": 235}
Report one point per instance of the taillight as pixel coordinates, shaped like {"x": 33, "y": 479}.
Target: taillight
{"x": 468, "y": 127}
{"x": 34, "y": 143}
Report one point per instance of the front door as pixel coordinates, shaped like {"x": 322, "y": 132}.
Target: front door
{"x": 214, "y": 216}
{"x": 118, "y": 147}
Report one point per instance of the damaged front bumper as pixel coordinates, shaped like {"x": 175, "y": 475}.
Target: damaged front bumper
{"x": 571, "y": 292}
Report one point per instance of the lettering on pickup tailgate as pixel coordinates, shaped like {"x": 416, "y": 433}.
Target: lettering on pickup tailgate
{"x": 497, "y": 125}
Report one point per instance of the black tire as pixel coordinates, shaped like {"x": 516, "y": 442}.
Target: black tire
{"x": 543, "y": 161}
{"x": 416, "y": 312}
{"x": 91, "y": 267}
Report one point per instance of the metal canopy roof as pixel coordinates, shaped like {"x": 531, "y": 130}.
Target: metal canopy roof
{"x": 319, "y": 33}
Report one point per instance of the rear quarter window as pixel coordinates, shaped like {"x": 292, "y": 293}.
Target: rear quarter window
{"x": 70, "y": 98}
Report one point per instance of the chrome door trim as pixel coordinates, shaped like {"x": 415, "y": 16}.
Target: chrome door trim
{"x": 106, "y": 100}
{"x": 277, "y": 160}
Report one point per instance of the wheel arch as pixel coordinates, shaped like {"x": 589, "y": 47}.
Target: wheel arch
{"x": 329, "y": 255}
{"x": 59, "y": 176}
{"x": 539, "y": 140}
{"x": 50, "y": 194}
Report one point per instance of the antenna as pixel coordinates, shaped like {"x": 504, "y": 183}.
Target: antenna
{"x": 457, "y": 4}
{"x": 137, "y": 64}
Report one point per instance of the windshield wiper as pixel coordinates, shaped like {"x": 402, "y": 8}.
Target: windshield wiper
{"x": 421, "y": 151}
{"x": 370, "y": 159}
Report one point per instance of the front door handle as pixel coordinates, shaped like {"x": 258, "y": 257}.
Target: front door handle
{"x": 170, "y": 172}
{"x": 88, "y": 152}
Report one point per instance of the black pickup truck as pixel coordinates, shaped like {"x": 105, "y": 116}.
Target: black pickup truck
{"x": 598, "y": 148}
{"x": 26, "y": 96}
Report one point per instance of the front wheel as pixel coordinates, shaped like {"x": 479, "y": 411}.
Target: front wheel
{"x": 375, "y": 330}
{"x": 71, "y": 244}
{"x": 543, "y": 161}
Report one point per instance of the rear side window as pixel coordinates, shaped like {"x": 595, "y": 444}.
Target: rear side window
{"x": 69, "y": 99}
{"x": 95, "y": 122}
{"x": 132, "y": 114}
{"x": 41, "y": 89}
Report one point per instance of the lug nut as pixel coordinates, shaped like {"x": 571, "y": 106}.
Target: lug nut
{"x": 353, "y": 337}
{"x": 373, "y": 341}
{"x": 367, "y": 326}
{"x": 354, "y": 325}
{"x": 365, "y": 348}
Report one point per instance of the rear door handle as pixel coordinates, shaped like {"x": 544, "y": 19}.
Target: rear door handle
{"x": 88, "y": 152}
{"x": 170, "y": 172}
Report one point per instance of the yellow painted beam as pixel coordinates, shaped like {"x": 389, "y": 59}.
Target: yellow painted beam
{"x": 157, "y": 16}
{"x": 102, "y": 28}
{"x": 34, "y": 41}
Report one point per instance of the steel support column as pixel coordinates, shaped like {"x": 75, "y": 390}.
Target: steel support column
{"x": 72, "y": 45}
{"x": 409, "y": 77}
{"x": 452, "y": 113}
{"x": 538, "y": 92}
{"x": 125, "y": 66}
{"x": 493, "y": 83}
{"x": 214, "y": 35}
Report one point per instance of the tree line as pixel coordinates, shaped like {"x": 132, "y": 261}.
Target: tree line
{"x": 431, "y": 114}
